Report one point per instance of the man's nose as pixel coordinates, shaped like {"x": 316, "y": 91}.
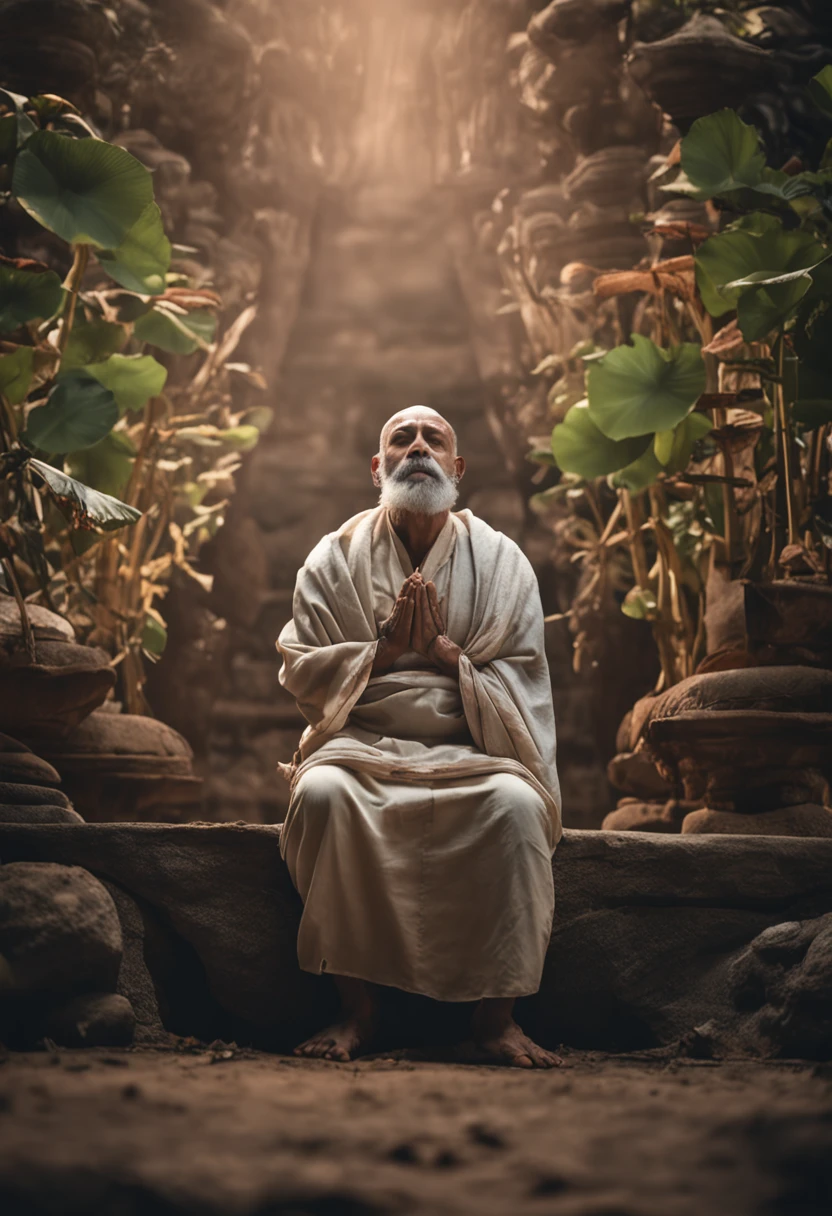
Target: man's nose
{"x": 417, "y": 448}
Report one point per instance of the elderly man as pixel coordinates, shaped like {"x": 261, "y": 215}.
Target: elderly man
{"x": 425, "y": 804}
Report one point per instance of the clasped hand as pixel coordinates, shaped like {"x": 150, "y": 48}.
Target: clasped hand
{"x": 416, "y": 623}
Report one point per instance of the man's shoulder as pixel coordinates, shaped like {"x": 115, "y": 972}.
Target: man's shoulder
{"x": 341, "y": 537}
{"x": 483, "y": 536}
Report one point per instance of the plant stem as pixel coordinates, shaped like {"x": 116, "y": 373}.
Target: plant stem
{"x": 25, "y": 623}
{"x": 73, "y": 286}
{"x": 785, "y": 443}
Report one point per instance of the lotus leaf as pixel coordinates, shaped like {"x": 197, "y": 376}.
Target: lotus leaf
{"x": 642, "y": 388}
{"x": 84, "y": 190}
{"x": 580, "y": 447}
{"x": 640, "y": 474}
{"x": 142, "y": 260}
{"x": 758, "y": 246}
{"x": 92, "y": 341}
{"x": 721, "y": 153}
{"x": 820, "y": 90}
{"x": 15, "y": 124}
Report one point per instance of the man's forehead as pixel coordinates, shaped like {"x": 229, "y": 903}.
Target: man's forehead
{"x": 414, "y": 415}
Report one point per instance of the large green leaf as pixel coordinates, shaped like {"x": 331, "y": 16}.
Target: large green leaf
{"x": 16, "y": 371}
{"x": 758, "y": 246}
{"x": 27, "y": 295}
{"x": 640, "y": 474}
{"x": 642, "y": 388}
{"x": 85, "y": 508}
{"x": 78, "y": 412}
{"x": 142, "y": 260}
{"x": 106, "y": 466}
{"x": 92, "y": 341}
{"x": 580, "y": 447}
{"x": 84, "y": 190}
{"x": 181, "y": 335}
{"x": 685, "y": 435}
{"x": 820, "y": 90}
{"x": 15, "y": 124}
{"x": 132, "y": 379}
{"x": 763, "y": 309}
{"x": 721, "y": 153}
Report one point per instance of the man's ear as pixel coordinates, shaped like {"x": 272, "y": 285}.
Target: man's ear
{"x": 459, "y": 467}
{"x": 374, "y": 467}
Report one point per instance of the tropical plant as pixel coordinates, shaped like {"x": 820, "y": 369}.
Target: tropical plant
{"x": 110, "y": 476}
{"x": 716, "y": 445}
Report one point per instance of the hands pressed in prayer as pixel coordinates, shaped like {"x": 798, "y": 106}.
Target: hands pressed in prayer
{"x": 416, "y": 623}
{"x": 428, "y": 635}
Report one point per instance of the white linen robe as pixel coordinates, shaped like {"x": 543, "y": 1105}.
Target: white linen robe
{"x": 424, "y": 810}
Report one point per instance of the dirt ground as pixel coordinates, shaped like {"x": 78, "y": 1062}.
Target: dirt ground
{"x": 236, "y": 1133}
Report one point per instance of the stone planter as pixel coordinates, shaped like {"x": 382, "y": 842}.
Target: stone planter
{"x": 126, "y": 768}
{"x": 753, "y": 743}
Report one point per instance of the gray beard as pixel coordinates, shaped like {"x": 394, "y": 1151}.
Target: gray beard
{"x": 431, "y": 496}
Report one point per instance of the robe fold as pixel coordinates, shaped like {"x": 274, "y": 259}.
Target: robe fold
{"x": 424, "y": 810}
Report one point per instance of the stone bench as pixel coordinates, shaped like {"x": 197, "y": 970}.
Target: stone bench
{"x": 656, "y": 938}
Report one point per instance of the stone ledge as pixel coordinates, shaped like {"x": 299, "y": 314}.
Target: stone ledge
{"x": 646, "y": 927}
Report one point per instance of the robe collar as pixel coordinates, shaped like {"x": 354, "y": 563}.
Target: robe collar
{"x": 439, "y": 553}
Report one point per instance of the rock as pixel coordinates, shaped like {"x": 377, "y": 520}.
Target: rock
{"x": 631, "y": 815}
{"x": 781, "y": 986}
{"x": 661, "y": 918}
{"x": 38, "y": 814}
{"x": 95, "y": 1019}
{"x": 59, "y": 931}
{"x": 140, "y": 933}
{"x": 700, "y": 68}
{"x": 31, "y": 795}
{"x": 804, "y": 820}
{"x": 573, "y": 21}
{"x": 608, "y": 177}
{"x": 789, "y": 621}
{"x": 19, "y": 764}
{"x": 635, "y": 773}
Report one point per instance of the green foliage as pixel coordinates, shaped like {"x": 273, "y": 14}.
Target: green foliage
{"x": 27, "y": 295}
{"x": 639, "y": 389}
{"x": 720, "y": 154}
{"x": 132, "y": 379}
{"x": 142, "y": 260}
{"x": 820, "y": 90}
{"x": 83, "y": 507}
{"x": 180, "y": 334}
{"x": 84, "y": 190}
{"x": 16, "y": 371}
{"x": 105, "y": 466}
{"x": 78, "y": 413}
{"x": 579, "y": 446}
{"x": 92, "y": 341}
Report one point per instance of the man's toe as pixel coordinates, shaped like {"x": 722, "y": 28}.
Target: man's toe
{"x": 522, "y": 1060}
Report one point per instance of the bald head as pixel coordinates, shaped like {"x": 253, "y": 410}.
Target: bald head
{"x": 415, "y": 414}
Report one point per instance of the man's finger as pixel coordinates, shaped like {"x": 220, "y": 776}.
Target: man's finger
{"x": 436, "y": 611}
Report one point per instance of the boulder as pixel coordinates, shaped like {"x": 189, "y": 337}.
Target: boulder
{"x": 94, "y": 1019}
{"x": 15, "y": 794}
{"x": 646, "y": 926}
{"x": 59, "y": 930}
{"x": 635, "y": 773}
{"x": 19, "y": 764}
{"x": 573, "y": 21}
{"x": 781, "y": 988}
{"x": 805, "y": 820}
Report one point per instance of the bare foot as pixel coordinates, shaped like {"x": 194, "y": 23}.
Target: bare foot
{"x": 343, "y": 1041}
{"x": 507, "y": 1044}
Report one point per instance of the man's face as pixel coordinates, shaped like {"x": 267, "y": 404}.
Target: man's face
{"x": 417, "y": 468}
